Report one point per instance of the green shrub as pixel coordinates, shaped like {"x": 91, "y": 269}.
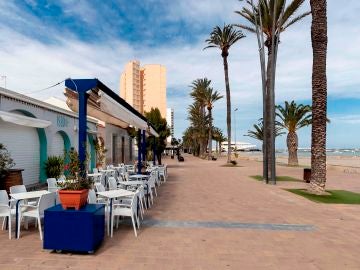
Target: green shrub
{"x": 54, "y": 166}
{"x": 6, "y": 161}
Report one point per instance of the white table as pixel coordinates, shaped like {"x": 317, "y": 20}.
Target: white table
{"x": 131, "y": 183}
{"x": 107, "y": 170}
{"x": 138, "y": 176}
{"x": 137, "y": 183}
{"x": 112, "y": 194}
{"x": 25, "y": 196}
{"x": 95, "y": 175}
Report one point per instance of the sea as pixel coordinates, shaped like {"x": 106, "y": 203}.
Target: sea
{"x": 306, "y": 152}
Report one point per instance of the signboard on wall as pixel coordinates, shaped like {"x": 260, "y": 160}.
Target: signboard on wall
{"x": 62, "y": 121}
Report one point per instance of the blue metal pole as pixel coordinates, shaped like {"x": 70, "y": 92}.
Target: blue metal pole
{"x": 139, "y": 150}
{"x": 144, "y": 146}
{"x": 82, "y": 130}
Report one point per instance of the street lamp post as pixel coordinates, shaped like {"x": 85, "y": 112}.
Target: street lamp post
{"x": 235, "y": 126}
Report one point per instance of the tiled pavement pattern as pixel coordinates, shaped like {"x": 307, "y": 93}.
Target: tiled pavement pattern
{"x": 189, "y": 227}
{"x": 226, "y": 225}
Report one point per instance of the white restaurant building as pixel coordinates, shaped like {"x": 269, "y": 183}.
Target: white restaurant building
{"x": 32, "y": 130}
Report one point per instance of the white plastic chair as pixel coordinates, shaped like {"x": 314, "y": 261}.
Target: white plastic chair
{"x": 18, "y": 189}
{"x": 130, "y": 168}
{"x": 153, "y": 179}
{"x": 162, "y": 173}
{"x": 120, "y": 209}
{"x": 45, "y": 201}
{"x": 99, "y": 187}
{"x": 92, "y": 198}
{"x": 112, "y": 183}
{"x": 62, "y": 178}
{"x": 5, "y": 210}
{"x": 148, "y": 189}
{"x": 141, "y": 200}
{"x": 156, "y": 175}
{"x": 52, "y": 185}
{"x": 103, "y": 178}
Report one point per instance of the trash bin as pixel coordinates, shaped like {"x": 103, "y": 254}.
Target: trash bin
{"x": 307, "y": 175}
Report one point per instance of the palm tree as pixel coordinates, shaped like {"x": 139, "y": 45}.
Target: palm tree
{"x": 199, "y": 122}
{"x": 270, "y": 18}
{"x": 199, "y": 87}
{"x": 293, "y": 117}
{"x": 219, "y": 138}
{"x": 258, "y": 132}
{"x": 223, "y": 39}
{"x": 210, "y": 96}
{"x": 319, "y": 96}
{"x": 206, "y": 96}
{"x": 189, "y": 140}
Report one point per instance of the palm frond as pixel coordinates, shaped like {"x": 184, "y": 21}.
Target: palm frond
{"x": 296, "y": 19}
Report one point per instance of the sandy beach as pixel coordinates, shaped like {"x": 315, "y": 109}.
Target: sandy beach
{"x": 346, "y": 164}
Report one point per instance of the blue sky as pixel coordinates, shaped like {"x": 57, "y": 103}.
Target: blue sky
{"x": 43, "y": 42}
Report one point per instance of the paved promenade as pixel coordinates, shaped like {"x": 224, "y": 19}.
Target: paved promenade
{"x": 212, "y": 217}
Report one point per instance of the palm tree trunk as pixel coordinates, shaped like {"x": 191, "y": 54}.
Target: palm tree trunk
{"x": 319, "y": 96}
{"x": 260, "y": 39}
{"x": 267, "y": 120}
{"x": 210, "y": 135}
{"x": 228, "y": 107}
{"x": 292, "y": 145}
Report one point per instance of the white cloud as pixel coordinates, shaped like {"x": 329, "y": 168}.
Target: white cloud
{"x": 346, "y": 119}
{"x": 31, "y": 65}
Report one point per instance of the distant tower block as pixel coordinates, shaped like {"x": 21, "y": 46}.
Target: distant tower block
{"x": 144, "y": 87}
{"x": 130, "y": 88}
{"x": 170, "y": 122}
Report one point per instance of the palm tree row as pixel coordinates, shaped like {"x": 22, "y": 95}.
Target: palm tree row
{"x": 200, "y": 134}
{"x": 268, "y": 18}
{"x": 291, "y": 117}
{"x": 223, "y": 39}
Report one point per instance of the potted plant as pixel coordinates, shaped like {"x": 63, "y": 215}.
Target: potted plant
{"x": 74, "y": 191}
{"x": 8, "y": 176}
{"x": 54, "y": 166}
{"x": 100, "y": 152}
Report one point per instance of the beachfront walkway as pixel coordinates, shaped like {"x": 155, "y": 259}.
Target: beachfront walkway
{"x": 213, "y": 217}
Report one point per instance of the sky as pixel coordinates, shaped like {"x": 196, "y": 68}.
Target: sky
{"x": 43, "y": 42}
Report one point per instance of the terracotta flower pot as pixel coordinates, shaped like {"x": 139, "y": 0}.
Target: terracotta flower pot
{"x": 73, "y": 198}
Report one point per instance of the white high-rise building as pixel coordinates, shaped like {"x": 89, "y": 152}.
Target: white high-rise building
{"x": 170, "y": 122}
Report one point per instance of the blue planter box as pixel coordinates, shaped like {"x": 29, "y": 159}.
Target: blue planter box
{"x": 74, "y": 230}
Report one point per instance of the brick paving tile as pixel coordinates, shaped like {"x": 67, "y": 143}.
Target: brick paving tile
{"x": 188, "y": 226}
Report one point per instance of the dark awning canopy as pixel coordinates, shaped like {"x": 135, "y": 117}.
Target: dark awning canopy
{"x": 104, "y": 104}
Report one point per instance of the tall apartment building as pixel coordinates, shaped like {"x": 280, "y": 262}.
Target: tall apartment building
{"x": 170, "y": 122}
{"x": 144, "y": 87}
{"x": 130, "y": 85}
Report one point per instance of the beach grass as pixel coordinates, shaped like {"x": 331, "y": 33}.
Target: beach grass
{"x": 278, "y": 178}
{"x": 334, "y": 196}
